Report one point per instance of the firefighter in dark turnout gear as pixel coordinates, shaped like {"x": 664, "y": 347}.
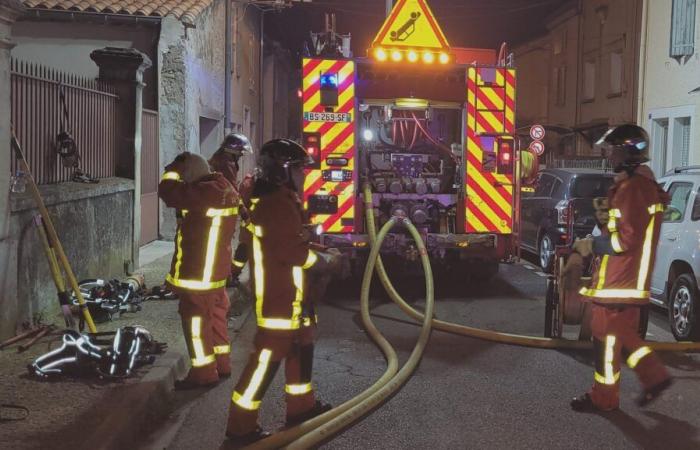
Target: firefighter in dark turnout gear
{"x": 280, "y": 255}
{"x": 620, "y": 287}
{"x": 208, "y": 205}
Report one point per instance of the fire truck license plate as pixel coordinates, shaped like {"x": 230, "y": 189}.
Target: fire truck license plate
{"x": 327, "y": 117}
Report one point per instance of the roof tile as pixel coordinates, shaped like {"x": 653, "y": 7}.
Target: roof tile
{"x": 184, "y": 10}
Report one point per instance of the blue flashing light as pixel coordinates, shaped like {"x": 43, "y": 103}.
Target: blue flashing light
{"x": 329, "y": 80}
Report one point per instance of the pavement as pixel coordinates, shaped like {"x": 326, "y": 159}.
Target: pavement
{"x": 466, "y": 393}
{"x": 90, "y": 413}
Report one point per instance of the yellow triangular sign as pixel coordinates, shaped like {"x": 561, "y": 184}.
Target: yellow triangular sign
{"x": 411, "y": 25}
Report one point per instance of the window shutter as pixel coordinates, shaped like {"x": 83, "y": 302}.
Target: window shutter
{"x": 683, "y": 28}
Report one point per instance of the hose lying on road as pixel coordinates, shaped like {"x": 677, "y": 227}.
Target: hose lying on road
{"x": 325, "y": 426}
{"x": 494, "y": 336}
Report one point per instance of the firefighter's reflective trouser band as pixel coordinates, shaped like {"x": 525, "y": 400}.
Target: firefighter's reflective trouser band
{"x": 601, "y": 290}
{"x": 615, "y": 330}
{"x": 204, "y": 318}
{"x": 272, "y": 347}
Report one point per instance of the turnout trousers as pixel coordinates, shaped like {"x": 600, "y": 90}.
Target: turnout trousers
{"x": 615, "y": 332}
{"x": 204, "y": 317}
{"x": 296, "y": 348}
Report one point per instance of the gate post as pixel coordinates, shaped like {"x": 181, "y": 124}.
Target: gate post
{"x": 123, "y": 68}
{"x": 10, "y": 10}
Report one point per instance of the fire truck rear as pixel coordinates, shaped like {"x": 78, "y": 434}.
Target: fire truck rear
{"x": 431, "y": 129}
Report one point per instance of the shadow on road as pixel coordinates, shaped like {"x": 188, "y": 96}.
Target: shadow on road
{"x": 666, "y": 433}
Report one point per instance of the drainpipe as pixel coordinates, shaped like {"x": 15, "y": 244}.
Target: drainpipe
{"x": 227, "y": 75}
{"x": 260, "y": 76}
{"x": 641, "y": 82}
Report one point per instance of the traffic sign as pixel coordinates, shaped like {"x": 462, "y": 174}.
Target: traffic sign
{"x": 537, "y": 147}
{"x": 411, "y": 25}
{"x": 537, "y": 132}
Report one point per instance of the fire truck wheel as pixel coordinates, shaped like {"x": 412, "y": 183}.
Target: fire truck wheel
{"x": 682, "y": 308}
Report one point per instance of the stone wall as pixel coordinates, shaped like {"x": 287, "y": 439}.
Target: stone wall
{"x": 97, "y": 243}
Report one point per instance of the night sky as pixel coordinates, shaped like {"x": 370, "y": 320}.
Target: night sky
{"x": 466, "y": 23}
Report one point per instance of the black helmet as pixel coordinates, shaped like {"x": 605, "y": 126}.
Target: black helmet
{"x": 277, "y": 156}
{"x": 236, "y": 144}
{"x": 632, "y": 139}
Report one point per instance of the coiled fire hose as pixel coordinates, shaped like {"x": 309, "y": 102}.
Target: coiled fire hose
{"x": 325, "y": 426}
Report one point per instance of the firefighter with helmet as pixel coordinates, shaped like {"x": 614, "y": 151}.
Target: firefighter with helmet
{"x": 620, "y": 287}
{"x": 226, "y": 161}
{"x": 208, "y": 205}
{"x": 286, "y": 323}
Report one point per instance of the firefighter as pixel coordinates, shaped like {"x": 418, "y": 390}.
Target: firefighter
{"x": 208, "y": 204}
{"x": 285, "y": 322}
{"x": 620, "y": 287}
{"x": 226, "y": 161}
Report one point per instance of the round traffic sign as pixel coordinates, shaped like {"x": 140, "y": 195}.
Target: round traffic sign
{"x": 537, "y": 147}
{"x": 537, "y": 132}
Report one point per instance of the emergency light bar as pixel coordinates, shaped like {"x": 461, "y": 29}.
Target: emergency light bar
{"x": 413, "y": 56}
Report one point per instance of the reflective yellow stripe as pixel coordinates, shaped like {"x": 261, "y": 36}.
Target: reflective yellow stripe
{"x": 614, "y": 293}
{"x": 246, "y": 399}
{"x": 298, "y": 389}
{"x": 310, "y": 260}
{"x": 603, "y": 271}
{"x": 195, "y": 284}
{"x": 239, "y": 264}
{"x": 222, "y": 349}
{"x": 278, "y": 324}
{"x": 615, "y": 212}
{"x": 171, "y": 176}
{"x": 238, "y": 399}
{"x": 615, "y": 242}
{"x": 602, "y": 380}
{"x": 178, "y": 257}
{"x": 645, "y": 263}
{"x": 298, "y": 276}
{"x": 259, "y": 274}
{"x": 307, "y": 322}
{"x": 609, "y": 356}
{"x": 657, "y": 208}
{"x": 212, "y": 245}
{"x": 184, "y": 212}
{"x": 200, "y": 358}
{"x": 637, "y": 355}
{"x": 212, "y": 212}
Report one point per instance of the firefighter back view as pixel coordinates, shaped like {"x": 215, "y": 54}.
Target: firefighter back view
{"x": 620, "y": 287}
{"x": 285, "y": 323}
{"x": 207, "y": 203}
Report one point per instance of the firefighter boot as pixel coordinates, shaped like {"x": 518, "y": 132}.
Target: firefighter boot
{"x": 243, "y": 440}
{"x": 652, "y": 393}
{"x": 318, "y": 409}
{"x": 584, "y": 403}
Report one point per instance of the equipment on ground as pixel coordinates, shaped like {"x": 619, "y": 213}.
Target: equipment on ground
{"x": 33, "y": 335}
{"x": 51, "y": 231}
{"x": 107, "y": 298}
{"x": 108, "y": 355}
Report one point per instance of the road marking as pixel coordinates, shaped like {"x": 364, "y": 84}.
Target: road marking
{"x": 542, "y": 274}
{"x": 528, "y": 266}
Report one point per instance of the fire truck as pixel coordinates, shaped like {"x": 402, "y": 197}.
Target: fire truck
{"x": 430, "y": 127}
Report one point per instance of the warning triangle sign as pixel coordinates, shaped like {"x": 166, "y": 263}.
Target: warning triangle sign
{"x": 411, "y": 25}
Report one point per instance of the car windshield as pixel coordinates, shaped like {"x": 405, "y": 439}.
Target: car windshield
{"x": 591, "y": 186}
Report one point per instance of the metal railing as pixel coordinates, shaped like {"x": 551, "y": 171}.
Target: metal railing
{"x": 37, "y": 114}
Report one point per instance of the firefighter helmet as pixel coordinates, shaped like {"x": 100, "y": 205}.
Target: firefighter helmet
{"x": 192, "y": 165}
{"x": 236, "y": 145}
{"x": 633, "y": 140}
{"x": 277, "y": 157}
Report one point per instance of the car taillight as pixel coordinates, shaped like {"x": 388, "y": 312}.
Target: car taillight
{"x": 563, "y": 212}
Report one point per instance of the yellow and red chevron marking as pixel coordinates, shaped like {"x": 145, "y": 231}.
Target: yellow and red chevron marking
{"x": 489, "y": 199}
{"x": 337, "y": 139}
{"x": 510, "y": 101}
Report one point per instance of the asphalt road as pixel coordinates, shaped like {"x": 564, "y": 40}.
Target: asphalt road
{"x": 466, "y": 393}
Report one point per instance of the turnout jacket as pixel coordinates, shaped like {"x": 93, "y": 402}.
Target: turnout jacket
{"x": 280, "y": 253}
{"x": 209, "y": 210}
{"x": 628, "y": 250}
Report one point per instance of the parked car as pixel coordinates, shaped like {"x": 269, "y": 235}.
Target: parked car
{"x": 676, "y": 274}
{"x": 562, "y": 200}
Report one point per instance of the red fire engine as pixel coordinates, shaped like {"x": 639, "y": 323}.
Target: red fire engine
{"x": 430, "y": 127}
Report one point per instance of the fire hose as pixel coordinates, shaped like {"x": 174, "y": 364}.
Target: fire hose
{"x": 325, "y": 426}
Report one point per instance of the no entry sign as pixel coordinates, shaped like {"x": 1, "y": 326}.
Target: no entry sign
{"x": 537, "y": 132}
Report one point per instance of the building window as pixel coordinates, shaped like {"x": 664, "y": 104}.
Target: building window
{"x": 682, "y": 28}
{"x": 671, "y": 137}
{"x": 616, "y": 73}
{"x": 659, "y": 144}
{"x": 560, "y": 88}
{"x": 589, "y": 80}
{"x": 681, "y": 142}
